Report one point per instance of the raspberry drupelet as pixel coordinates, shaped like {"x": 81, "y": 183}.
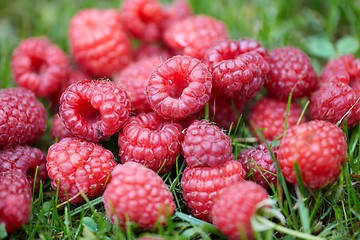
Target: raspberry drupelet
{"x": 58, "y": 130}
{"x": 94, "y": 109}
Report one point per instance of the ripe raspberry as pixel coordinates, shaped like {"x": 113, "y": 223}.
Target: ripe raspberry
{"x": 318, "y": 147}
{"x": 290, "y": 71}
{"x": 235, "y": 207}
{"x": 142, "y": 18}
{"x": 206, "y": 145}
{"x": 137, "y": 194}
{"x": 39, "y": 65}
{"x": 147, "y": 50}
{"x": 22, "y": 117}
{"x": 193, "y": 35}
{"x": 58, "y": 130}
{"x": 94, "y": 109}
{"x": 268, "y": 115}
{"x": 151, "y": 141}
{"x": 78, "y": 165}
{"x": 179, "y": 87}
{"x": 201, "y": 186}
{"x": 100, "y": 48}
{"x": 26, "y": 159}
{"x": 15, "y": 199}
{"x": 257, "y": 161}
{"x": 241, "y": 77}
{"x": 176, "y": 11}
{"x": 134, "y": 78}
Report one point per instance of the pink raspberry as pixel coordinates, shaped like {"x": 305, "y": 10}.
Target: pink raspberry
{"x": 22, "y": 117}
{"x": 179, "y": 87}
{"x": 58, "y": 130}
{"x": 151, "y": 141}
{"x": 76, "y": 165}
{"x": 150, "y": 50}
{"x": 39, "y": 65}
{"x": 98, "y": 42}
{"x": 176, "y": 11}
{"x": 206, "y": 145}
{"x": 94, "y": 109}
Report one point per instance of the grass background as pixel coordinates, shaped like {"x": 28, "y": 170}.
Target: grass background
{"x": 322, "y": 29}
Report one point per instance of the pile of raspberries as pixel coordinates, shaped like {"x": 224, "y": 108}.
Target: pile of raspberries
{"x": 171, "y": 98}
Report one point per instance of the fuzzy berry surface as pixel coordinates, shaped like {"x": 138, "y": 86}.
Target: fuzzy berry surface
{"x": 150, "y": 50}
{"x": 78, "y": 165}
{"x": 206, "y": 145}
{"x": 290, "y": 71}
{"x": 39, "y": 65}
{"x": 58, "y": 130}
{"x": 94, "y": 109}
{"x": 201, "y": 186}
{"x": 179, "y": 87}
{"x": 150, "y": 140}
{"x": 22, "y": 117}
{"x": 318, "y": 147}
{"x": 15, "y": 199}
{"x": 138, "y": 194}
{"x": 235, "y": 207}
{"x": 269, "y": 116}
{"x": 100, "y": 48}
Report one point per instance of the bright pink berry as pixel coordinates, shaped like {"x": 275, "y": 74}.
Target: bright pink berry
{"x": 179, "y": 87}
{"x": 150, "y": 50}
{"x": 98, "y": 42}
{"x": 58, "y": 130}
{"x": 94, "y": 109}
{"x": 177, "y": 10}
{"x": 201, "y": 186}
{"x": 318, "y": 147}
{"x": 76, "y": 165}
{"x": 137, "y": 194}
{"x": 39, "y": 65}
{"x": 22, "y": 117}
{"x": 150, "y": 140}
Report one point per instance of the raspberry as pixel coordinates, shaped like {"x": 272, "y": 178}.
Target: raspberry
{"x": 335, "y": 101}
{"x": 137, "y": 194}
{"x": 193, "y": 35}
{"x": 179, "y": 87}
{"x": 22, "y": 117}
{"x": 134, "y": 78}
{"x": 15, "y": 199}
{"x": 206, "y": 145}
{"x": 235, "y": 207}
{"x": 290, "y": 71}
{"x": 268, "y": 115}
{"x": 94, "y": 109}
{"x": 26, "y": 159}
{"x": 142, "y": 18}
{"x": 100, "y": 48}
{"x": 58, "y": 130}
{"x": 257, "y": 161}
{"x": 147, "y": 50}
{"x": 342, "y": 69}
{"x": 201, "y": 186}
{"x": 177, "y": 10}
{"x": 318, "y": 147}
{"x": 39, "y": 65}
{"x": 241, "y": 77}
{"x": 77, "y": 165}
{"x": 151, "y": 141}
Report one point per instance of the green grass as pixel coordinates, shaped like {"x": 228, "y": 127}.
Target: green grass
{"x": 323, "y": 29}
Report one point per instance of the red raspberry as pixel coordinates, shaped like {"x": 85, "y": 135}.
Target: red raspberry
{"x": 134, "y": 78}
{"x": 15, "y": 199}
{"x": 201, "y": 186}
{"x": 151, "y": 141}
{"x": 22, "y": 117}
{"x": 206, "y": 145}
{"x": 257, "y": 161}
{"x": 39, "y": 65}
{"x": 142, "y": 18}
{"x": 78, "y": 165}
{"x": 269, "y": 115}
{"x": 58, "y": 130}
{"x": 193, "y": 35}
{"x": 94, "y": 109}
{"x": 318, "y": 147}
{"x": 179, "y": 87}
{"x": 147, "y": 50}
{"x": 235, "y": 207}
{"x": 137, "y": 194}
{"x": 290, "y": 71}
{"x": 177, "y": 10}
{"x": 343, "y": 69}
{"x": 26, "y": 159}
{"x": 98, "y": 42}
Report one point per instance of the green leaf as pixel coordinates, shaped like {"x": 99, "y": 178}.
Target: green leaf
{"x": 3, "y": 233}
{"x": 320, "y": 47}
{"x": 89, "y": 223}
{"x": 347, "y": 45}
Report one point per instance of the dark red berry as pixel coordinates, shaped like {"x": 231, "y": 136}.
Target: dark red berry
{"x": 58, "y": 130}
